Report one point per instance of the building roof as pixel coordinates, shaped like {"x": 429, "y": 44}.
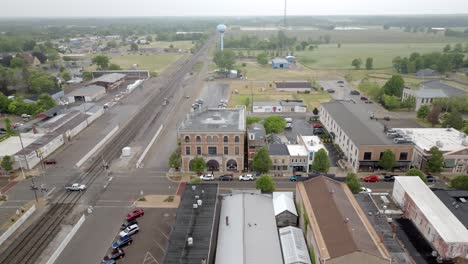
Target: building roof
{"x": 258, "y": 130}
{"x": 297, "y": 150}
{"x": 109, "y": 78}
{"x": 341, "y": 226}
{"x": 356, "y": 123}
{"x": 257, "y": 103}
{"x": 427, "y": 72}
{"x": 427, "y": 93}
{"x": 448, "y": 90}
{"x": 313, "y": 143}
{"x": 12, "y": 145}
{"x": 279, "y": 60}
{"x": 436, "y": 213}
{"x": 447, "y": 140}
{"x": 195, "y": 223}
{"x": 215, "y": 119}
{"x": 451, "y": 199}
{"x": 293, "y": 245}
{"x": 284, "y": 201}
{"x": 293, "y": 84}
{"x": 56, "y": 110}
{"x": 246, "y": 220}
{"x": 91, "y": 90}
{"x": 278, "y": 150}
{"x": 292, "y": 103}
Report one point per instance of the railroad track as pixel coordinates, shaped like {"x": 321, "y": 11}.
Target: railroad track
{"x": 30, "y": 244}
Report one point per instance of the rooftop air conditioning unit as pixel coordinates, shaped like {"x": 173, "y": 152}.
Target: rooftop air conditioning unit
{"x": 465, "y": 142}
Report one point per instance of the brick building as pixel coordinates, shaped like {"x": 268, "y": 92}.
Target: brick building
{"x": 256, "y": 139}
{"x": 217, "y": 135}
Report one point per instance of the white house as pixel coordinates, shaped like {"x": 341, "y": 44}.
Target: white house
{"x": 312, "y": 145}
{"x": 431, "y": 90}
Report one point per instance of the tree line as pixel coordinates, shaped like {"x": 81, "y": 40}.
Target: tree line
{"x": 18, "y": 106}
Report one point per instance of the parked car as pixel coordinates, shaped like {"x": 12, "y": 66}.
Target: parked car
{"x": 372, "y": 178}
{"x": 122, "y": 242}
{"x": 110, "y": 261}
{"x": 207, "y": 177}
{"x": 135, "y": 214}
{"x": 115, "y": 254}
{"x": 17, "y": 125}
{"x": 2, "y": 131}
{"x": 129, "y": 231}
{"x": 298, "y": 177}
{"x": 246, "y": 177}
{"x": 365, "y": 190}
{"x": 319, "y": 131}
{"x": 430, "y": 178}
{"x": 76, "y": 187}
{"x": 389, "y": 178}
{"x": 355, "y": 92}
{"x": 368, "y": 102}
{"x": 363, "y": 98}
{"x": 330, "y": 91}
{"x": 50, "y": 162}
{"x": 318, "y": 125}
{"x": 128, "y": 223}
{"x": 340, "y": 81}
{"x": 227, "y": 177}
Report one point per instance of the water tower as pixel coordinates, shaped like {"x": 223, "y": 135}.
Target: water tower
{"x": 221, "y": 28}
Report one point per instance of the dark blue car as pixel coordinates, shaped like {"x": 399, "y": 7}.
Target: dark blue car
{"x": 123, "y": 241}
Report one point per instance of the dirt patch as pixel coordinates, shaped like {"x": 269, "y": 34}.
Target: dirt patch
{"x": 159, "y": 201}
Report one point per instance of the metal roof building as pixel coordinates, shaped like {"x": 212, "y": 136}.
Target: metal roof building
{"x": 195, "y": 223}
{"x": 285, "y": 209}
{"x": 447, "y": 235}
{"x": 247, "y": 231}
{"x": 87, "y": 94}
{"x": 293, "y": 246}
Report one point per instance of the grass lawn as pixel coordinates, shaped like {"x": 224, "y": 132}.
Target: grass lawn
{"x": 183, "y": 44}
{"x": 331, "y": 57}
{"x": 263, "y": 92}
{"x": 151, "y": 62}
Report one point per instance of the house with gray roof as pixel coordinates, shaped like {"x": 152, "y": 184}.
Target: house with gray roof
{"x": 431, "y": 90}
{"x": 281, "y": 106}
{"x": 361, "y": 137}
{"x": 427, "y": 73}
{"x": 217, "y": 135}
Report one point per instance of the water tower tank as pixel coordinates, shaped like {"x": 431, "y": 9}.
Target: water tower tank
{"x": 221, "y": 28}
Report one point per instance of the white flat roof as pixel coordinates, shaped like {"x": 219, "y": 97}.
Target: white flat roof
{"x": 12, "y": 145}
{"x": 297, "y": 150}
{"x": 442, "y": 219}
{"x": 313, "y": 143}
{"x": 426, "y": 138}
{"x": 294, "y": 246}
{"x": 283, "y": 201}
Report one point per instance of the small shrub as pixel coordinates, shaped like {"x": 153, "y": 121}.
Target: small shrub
{"x": 142, "y": 199}
{"x": 169, "y": 199}
{"x": 195, "y": 180}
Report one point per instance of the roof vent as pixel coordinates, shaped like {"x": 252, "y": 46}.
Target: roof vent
{"x": 199, "y": 202}
{"x": 195, "y": 206}
{"x": 194, "y": 187}
{"x": 216, "y": 117}
{"x": 346, "y": 220}
{"x": 439, "y": 144}
{"x": 197, "y": 197}
{"x": 465, "y": 142}
{"x": 190, "y": 241}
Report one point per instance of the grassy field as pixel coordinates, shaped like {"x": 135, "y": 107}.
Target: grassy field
{"x": 263, "y": 92}
{"x": 185, "y": 45}
{"x": 151, "y": 62}
{"x": 331, "y": 57}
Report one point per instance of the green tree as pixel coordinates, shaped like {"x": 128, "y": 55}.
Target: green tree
{"x": 114, "y": 67}
{"x": 394, "y": 86}
{"x": 87, "y": 75}
{"x": 17, "y": 62}
{"x": 225, "y": 59}
{"x": 423, "y": 112}
{"x": 458, "y": 48}
{"x": 133, "y": 47}
{"x": 8, "y": 127}
{"x": 274, "y": 124}
{"x": 321, "y": 161}
{"x": 416, "y": 172}
{"x": 4, "y": 102}
{"x": 391, "y": 102}
{"x": 388, "y": 161}
{"x": 261, "y": 161}
{"x": 198, "y": 165}
{"x": 460, "y": 182}
{"x": 45, "y": 101}
{"x": 149, "y": 38}
{"x": 356, "y": 63}
{"x": 265, "y": 183}
{"x": 447, "y": 48}
{"x": 409, "y": 103}
{"x": 369, "y": 63}
{"x": 101, "y": 61}
{"x": 315, "y": 111}
{"x": 66, "y": 75}
{"x": 253, "y": 119}
{"x": 262, "y": 58}
{"x": 175, "y": 160}
{"x": 111, "y": 44}
{"x": 40, "y": 81}
{"x": 433, "y": 116}
{"x": 454, "y": 120}
{"x": 353, "y": 183}
{"x": 436, "y": 161}
{"x": 7, "y": 163}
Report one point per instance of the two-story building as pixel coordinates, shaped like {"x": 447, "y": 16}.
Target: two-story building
{"x": 217, "y": 135}
{"x": 431, "y": 90}
{"x": 361, "y": 138}
{"x": 256, "y": 139}
{"x": 312, "y": 144}
{"x": 279, "y": 155}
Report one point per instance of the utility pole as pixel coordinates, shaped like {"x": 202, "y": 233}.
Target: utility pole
{"x": 33, "y": 186}
{"x": 22, "y": 150}
{"x": 285, "y": 6}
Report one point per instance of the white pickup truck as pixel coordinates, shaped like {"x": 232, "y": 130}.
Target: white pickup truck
{"x": 76, "y": 187}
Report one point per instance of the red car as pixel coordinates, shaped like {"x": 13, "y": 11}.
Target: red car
{"x": 318, "y": 125}
{"x": 135, "y": 214}
{"x": 372, "y": 178}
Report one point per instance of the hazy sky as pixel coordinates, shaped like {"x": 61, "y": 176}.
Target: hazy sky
{"x": 77, "y": 8}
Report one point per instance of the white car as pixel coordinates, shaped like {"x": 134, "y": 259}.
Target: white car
{"x": 129, "y": 230}
{"x": 207, "y": 177}
{"x": 365, "y": 190}
{"x": 76, "y": 187}
{"x": 247, "y": 177}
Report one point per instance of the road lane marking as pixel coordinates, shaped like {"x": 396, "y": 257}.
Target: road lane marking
{"x": 159, "y": 245}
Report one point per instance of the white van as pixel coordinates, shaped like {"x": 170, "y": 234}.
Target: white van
{"x": 288, "y": 122}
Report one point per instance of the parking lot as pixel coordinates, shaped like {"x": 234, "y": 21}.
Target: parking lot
{"x": 149, "y": 245}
